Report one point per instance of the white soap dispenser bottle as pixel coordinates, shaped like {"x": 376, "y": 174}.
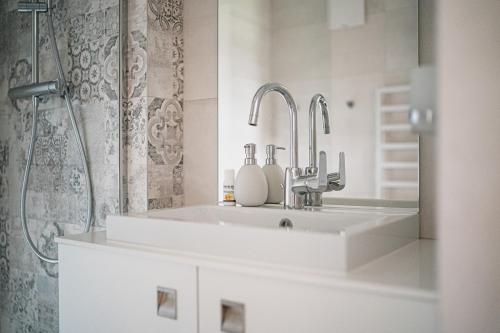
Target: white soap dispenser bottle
{"x": 274, "y": 175}
{"x": 250, "y": 188}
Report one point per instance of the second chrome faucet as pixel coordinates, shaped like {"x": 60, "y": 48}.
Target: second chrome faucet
{"x": 303, "y": 189}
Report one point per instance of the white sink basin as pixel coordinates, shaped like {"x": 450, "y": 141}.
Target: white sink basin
{"x": 333, "y": 238}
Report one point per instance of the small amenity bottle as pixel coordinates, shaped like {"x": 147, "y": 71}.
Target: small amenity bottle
{"x": 274, "y": 175}
{"x": 228, "y": 188}
{"x": 250, "y": 188}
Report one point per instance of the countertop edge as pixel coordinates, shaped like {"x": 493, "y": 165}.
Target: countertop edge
{"x": 332, "y": 279}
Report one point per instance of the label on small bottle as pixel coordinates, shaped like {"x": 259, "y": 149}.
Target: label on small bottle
{"x": 229, "y": 195}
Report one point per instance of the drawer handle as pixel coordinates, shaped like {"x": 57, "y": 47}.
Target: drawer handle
{"x": 166, "y": 303}
{"x": 232, "y": 317}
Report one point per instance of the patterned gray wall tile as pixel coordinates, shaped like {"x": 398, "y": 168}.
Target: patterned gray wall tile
{"x": 93, "y": 76}
{"x": 4, "y": 248}
{"x": 22, "y": 301}
{"x": 47, "y": 245}
{"x": 4, "y": 164}
{"x": 165, "y": 131}
{"x": 165, "y": 108}
{"x": 165, "y": 48}
{"x": 165, "y": 153}
{"x": 48, "y": 315}
{"x": 135, "y": 114}
{"x": 136, "y": 64}
{"x": 87, "y": 37}
{"x": 167, "y": 14}
{"x": 111, "y": 21}
{"x": 135, "y": 144}
{"x": 20, "y": 75}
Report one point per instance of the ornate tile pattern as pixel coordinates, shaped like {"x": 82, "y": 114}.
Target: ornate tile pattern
{"x": 4, "y": 216}
{"x": 47, "y": 245}
{"x": 22, "y": 304}
{"x": 165, "y": 110}
{"x": 165, "y": 131}
{"x": 136, "y": 64}
{"x": 87, "y": 36}
{"x": 168, "y": 14}
{"x": 4, "y": 248}
{"x": 134, "y": 124}
{"x": 93, "y": 76}
{"x": 4, "y": 163}
{"x": 153, "y": 107}
{"x": 20, "y": 75}
{"x": 165, "y": 159}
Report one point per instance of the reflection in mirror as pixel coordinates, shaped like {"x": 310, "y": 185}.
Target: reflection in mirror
{"x": 358, "y": 54}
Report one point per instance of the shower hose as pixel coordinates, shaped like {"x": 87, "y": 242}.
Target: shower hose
{"x": 79, "y": 142}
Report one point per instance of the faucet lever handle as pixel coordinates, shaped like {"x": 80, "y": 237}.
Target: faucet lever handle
{"x": 342, "y": 168}
{"x": 317, "y": 182}
{"x": 336, "y": 180}
{"x": 322, "y": 172}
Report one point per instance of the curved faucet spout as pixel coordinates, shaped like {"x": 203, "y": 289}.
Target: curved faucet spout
{"x": 317, "y": 99}
{"x": 292, "y": 108}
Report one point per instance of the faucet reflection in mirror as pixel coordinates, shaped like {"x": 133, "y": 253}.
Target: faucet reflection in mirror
{"x": 316, "y": 180}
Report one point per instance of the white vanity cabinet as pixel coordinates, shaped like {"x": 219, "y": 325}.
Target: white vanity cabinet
{"x": 113, "y": 287}
{"x": 279, "y": 306}
{"x": 104, "y": 291}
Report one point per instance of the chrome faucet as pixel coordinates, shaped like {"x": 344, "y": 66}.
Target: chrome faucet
{"x": 296, "y": 186}
{"x": 292, "y": 200}
{"x": 292, "y": 110}
{"x": 336, "y": 181}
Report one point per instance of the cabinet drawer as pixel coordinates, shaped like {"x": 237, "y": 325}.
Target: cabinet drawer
{"x": 101, "y": 291}
{"x": 278, "y": 306}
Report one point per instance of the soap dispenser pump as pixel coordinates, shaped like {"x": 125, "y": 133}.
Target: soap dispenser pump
{"x": 250, "y": 188}
{"x": 274, "y": 175}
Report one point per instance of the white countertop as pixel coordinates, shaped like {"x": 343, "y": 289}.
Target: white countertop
{"x": 407, "y": 272}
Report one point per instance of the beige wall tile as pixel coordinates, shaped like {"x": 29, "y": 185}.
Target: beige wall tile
{"x": 468, "y": 173}
{"x": 426, "y": 31}
{"x": 360, "y": 50}
{"x": 401, "y": 39}
{"x": 395, "y": 4}
{"x": 427, "y": 35}
{"x": 200, "y": 106}
{"x": 375, "y": 6}
{"x": 200, "y": 47}
{"x": 200, "y": 151}
{"x": 428, "y": 227}
{"x": 198, "y": 8}
{"x": 304, "y": 13}
{"x": 161, "y": 57}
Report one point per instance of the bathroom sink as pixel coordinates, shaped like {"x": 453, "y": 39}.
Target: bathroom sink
{"x": 337, "y": 238}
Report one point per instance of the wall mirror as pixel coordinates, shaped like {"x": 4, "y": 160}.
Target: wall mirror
{"x": 359, "y": 54}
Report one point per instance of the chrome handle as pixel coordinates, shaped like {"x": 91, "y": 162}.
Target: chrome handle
{"x": 342, "y": 168}
{"x": 421, "y": 121}
{"x": 232, "y": 317}
{"x": 166, "y": 303}
{"x": 318, "y": 182}
{"x": 337, "y": 180}
{"x": 322, "y": 172}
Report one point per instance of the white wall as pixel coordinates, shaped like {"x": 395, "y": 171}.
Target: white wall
{"x": 468, "y": 175}
{"x": 244, "y": 52}
{"x": 200, "y": 101}
{"x": 288, "y": 41}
